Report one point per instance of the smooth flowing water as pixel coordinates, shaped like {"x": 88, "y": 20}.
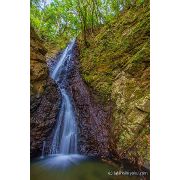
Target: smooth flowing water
{"x": 62, "y": 152}
{"x": 65, "y": 135}
{"x": 44, "y": 144}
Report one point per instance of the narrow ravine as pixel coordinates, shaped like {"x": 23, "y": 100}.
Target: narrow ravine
{"x": 62, "y": 154}
{"x": 60, "y": 157}
{"x": 90, "y": 95}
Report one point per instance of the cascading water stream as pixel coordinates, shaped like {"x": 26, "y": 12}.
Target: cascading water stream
{"x": 44, "y": 144}
{"x": 62, "y": 152}
{"x": 65, "y": 135}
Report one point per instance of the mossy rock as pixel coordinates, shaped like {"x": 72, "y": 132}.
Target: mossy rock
{"x": 117, "y": 65}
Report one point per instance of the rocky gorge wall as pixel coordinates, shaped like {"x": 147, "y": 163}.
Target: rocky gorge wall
{"x": 116, "y": 67}
{"x": 92, "y": 117}
{"x": 44, "y": 103}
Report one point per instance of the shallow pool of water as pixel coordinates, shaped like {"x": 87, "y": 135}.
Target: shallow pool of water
{"x": 73, "y": 167}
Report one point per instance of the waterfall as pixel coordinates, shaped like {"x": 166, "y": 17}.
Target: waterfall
{"x": 64, "y": 139}
{"x": 44, "y": 144}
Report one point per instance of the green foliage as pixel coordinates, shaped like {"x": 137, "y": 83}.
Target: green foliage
{"x": 121, "y": 45}
{"x": 53, "y": 20}
{"x": 64, "y": 19}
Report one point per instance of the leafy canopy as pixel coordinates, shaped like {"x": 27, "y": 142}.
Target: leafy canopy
{"x": 54, "y": 19}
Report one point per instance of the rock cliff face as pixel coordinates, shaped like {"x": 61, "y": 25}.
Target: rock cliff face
{"x": 44, "y": 96}
{"x": 93, "y": 118}
{"x": 116, "y": 67}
